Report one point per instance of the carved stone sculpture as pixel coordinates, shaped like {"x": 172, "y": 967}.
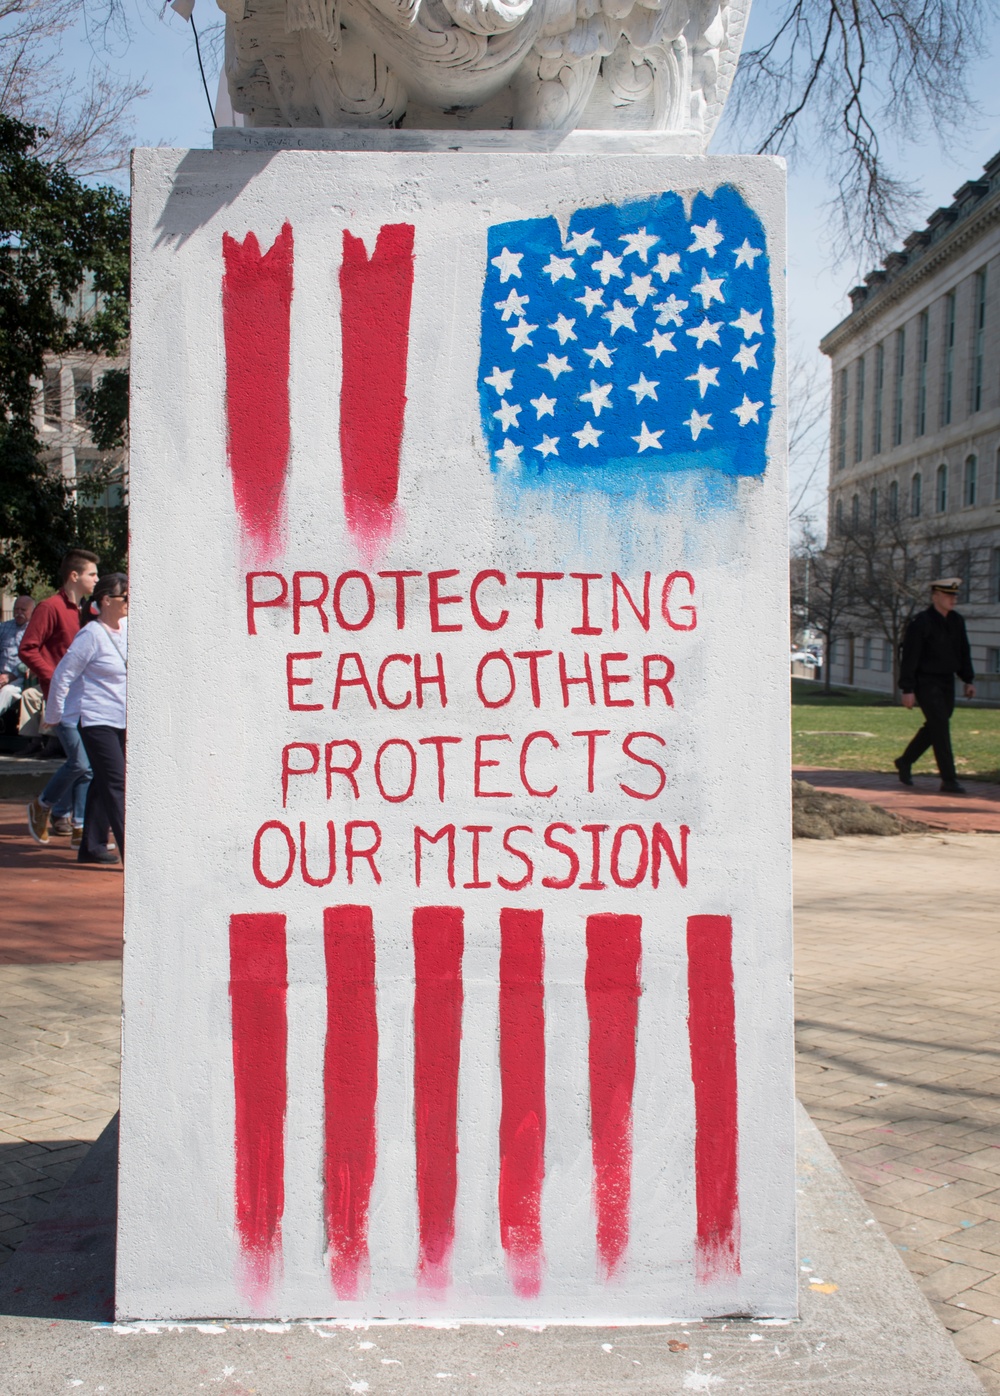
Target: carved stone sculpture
{"x": 550, "y": 65}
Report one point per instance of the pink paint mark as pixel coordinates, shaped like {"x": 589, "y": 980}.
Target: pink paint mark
{"x": 614, "y": 949}
{"x": 522, "y": 1088}
{"x": 256, "y": 317}
{"x": 375, "y": 300}
{"x": 350, "y": 1082}
{"x": 258, "y": 986}
{"x": 712, "y": 1035}
{"x": 438, "y": 943}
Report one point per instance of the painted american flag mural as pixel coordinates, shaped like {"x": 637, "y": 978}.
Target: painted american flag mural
{"x": 489, "y": 926}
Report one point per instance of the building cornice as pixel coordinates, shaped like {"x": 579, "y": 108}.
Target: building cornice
{"x": 896, "y": 287}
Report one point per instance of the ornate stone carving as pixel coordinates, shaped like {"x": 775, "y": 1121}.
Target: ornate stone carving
{"x": 553, "y": 65}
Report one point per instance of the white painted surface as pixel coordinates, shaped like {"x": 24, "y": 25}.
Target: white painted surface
{"x": 208, "y": 718}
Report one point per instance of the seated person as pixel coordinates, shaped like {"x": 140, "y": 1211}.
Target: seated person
{"x": 13, "y": 672}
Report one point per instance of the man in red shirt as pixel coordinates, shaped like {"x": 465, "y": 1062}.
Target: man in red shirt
{"x": 51, "y": 631}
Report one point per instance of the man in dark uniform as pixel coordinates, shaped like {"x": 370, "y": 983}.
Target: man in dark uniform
{"x": 935, "y": 649}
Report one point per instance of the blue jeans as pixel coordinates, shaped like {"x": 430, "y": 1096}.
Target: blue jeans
{"x": 68, "y": 787}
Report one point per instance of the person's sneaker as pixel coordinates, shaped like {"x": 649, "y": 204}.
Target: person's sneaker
{"x": 62, "y": 824}
{"x": 38, "y": 821}
{"x": 76, "y": 837}
{"x": 103, "y": 855}
{"x": 904, "y": 771}
{"x": 952, "y": 787}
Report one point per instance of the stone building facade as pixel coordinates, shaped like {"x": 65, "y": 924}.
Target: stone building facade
{"x": 915, "y": 422}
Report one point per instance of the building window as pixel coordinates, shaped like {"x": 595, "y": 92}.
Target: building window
{"x": 840, "y": 516}
{"x": 994, "y": 575}
{"x": 855, "y": 511}
{"x": 873, "y": 509}
{"x": 949, "y": 358}
{"x": 859, "y": 410}
{"x": 897, "y": 408}
{"x": 835, "y": 651}
{"x": 866, "y": 653}
{"x": 971, "y": 471}
{"x": 877, "y": 407}
{"x": 916, "y": 491}
{"x": 52, "y": 396}
{"x": 937, "y": 566}
{"x": 894, "y": 501}
{"x": 925, "y": 321}
{"x": 941, "y": 495}
{"x": 886, "y": 657}
{"x": 979, "y": 340}
{"x": 963, "y": 568}
{"x": 993, "y": 660}
{"x": 842, "y": 423}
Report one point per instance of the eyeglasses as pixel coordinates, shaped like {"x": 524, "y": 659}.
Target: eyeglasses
{"x": 120, "y": 598}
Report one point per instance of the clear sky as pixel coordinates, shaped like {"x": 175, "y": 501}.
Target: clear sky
{"x": 159, "y": 49}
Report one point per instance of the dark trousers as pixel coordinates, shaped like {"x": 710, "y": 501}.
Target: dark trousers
{"x": 106, "y": 749}
{"x": 96, "y": 823}
{"x": 936, "y": 696}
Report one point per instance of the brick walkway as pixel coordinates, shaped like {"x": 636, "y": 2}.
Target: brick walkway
{"x": 976, "y": 812}
{"x": 897, "y": 981}
{"x": 897, "y": 989}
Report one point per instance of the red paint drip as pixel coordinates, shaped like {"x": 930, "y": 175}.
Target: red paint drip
{"x": 614, "y": 948}
{"x": 375, "y": 328}
{"x": 712, "y": 1034}
{"x": 258, "y": 986}
{"x": 256, "y": 316}
{"x": 350, "y": 1080}
{"x": 438, "y": 942}
{"x": 522, "y": 1088}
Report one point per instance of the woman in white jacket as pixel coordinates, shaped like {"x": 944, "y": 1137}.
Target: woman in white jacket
{"x": 94, "y": 667}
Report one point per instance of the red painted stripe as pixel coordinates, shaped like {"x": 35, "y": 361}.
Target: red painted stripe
{"x": 350, "y": 1081}
{"x": 522, "y": 1089}
{"x": 258, "y": 986}
{"x": 438, "y": 942}
{"x": 712, "y": 1034}
{"x": 375, "y": 327}
{"x": 614, "y": 949}
{"x": 256, "y": 316}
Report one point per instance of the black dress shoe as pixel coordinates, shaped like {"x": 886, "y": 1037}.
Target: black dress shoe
{"x": 104, "y": 857}
{"x": 904, "y": 771}
{"x": 952, "y": 787}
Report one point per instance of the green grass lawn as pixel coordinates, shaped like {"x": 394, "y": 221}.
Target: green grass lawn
{"x": 851, "y": 731}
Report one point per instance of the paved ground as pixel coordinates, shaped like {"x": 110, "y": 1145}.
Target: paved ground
{"x": 976, "y": 812}
{"x": 898, "y": 976}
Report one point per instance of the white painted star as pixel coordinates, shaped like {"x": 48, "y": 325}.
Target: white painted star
{"x": 648, "y": 439}
{"x": 670, "y": 310}
{"x": 556, "y": 366}
{"x": 620, "y": 317}
{"x": 581, "y": 241}
{"x": 508, "y": 264}
{"x": 639, "y": 243}
{"x": 747, "y": 255}
{"x": 641, "y": 288}
{"x": 544, "y": 406}
{"x": 708, "y": 289}
{"x": 706, "y": 330}
{"x": 509, "y": 455}
{"x": 705, "y": 377}
{"x": 548, "y": 445}
{"x": 661, "y": 340}
{"x": 698, "y": 422}
{"x": 600, "y": 354}
{"x": 591, "y": 297}
{"x": 502, "y": 382}
{"x": 563, "y": 328}
{"x": 749, "y": 324}
{"x": 644, "y": 388}
{"x": 706, "y": 237}
{"x": 608, "y": 267}
{"x": 666, "y": 265}
{"x": 746, "y": 356}
{"x": 508, "y": 414}
{"x": 559, "y": 267}
{"x": 520, "y": 334}
{"x": 599, "y": 397}
{"x": 587, "y": 436}
{"x": 747, "y": 410}
{"x": 513, "y": 305}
